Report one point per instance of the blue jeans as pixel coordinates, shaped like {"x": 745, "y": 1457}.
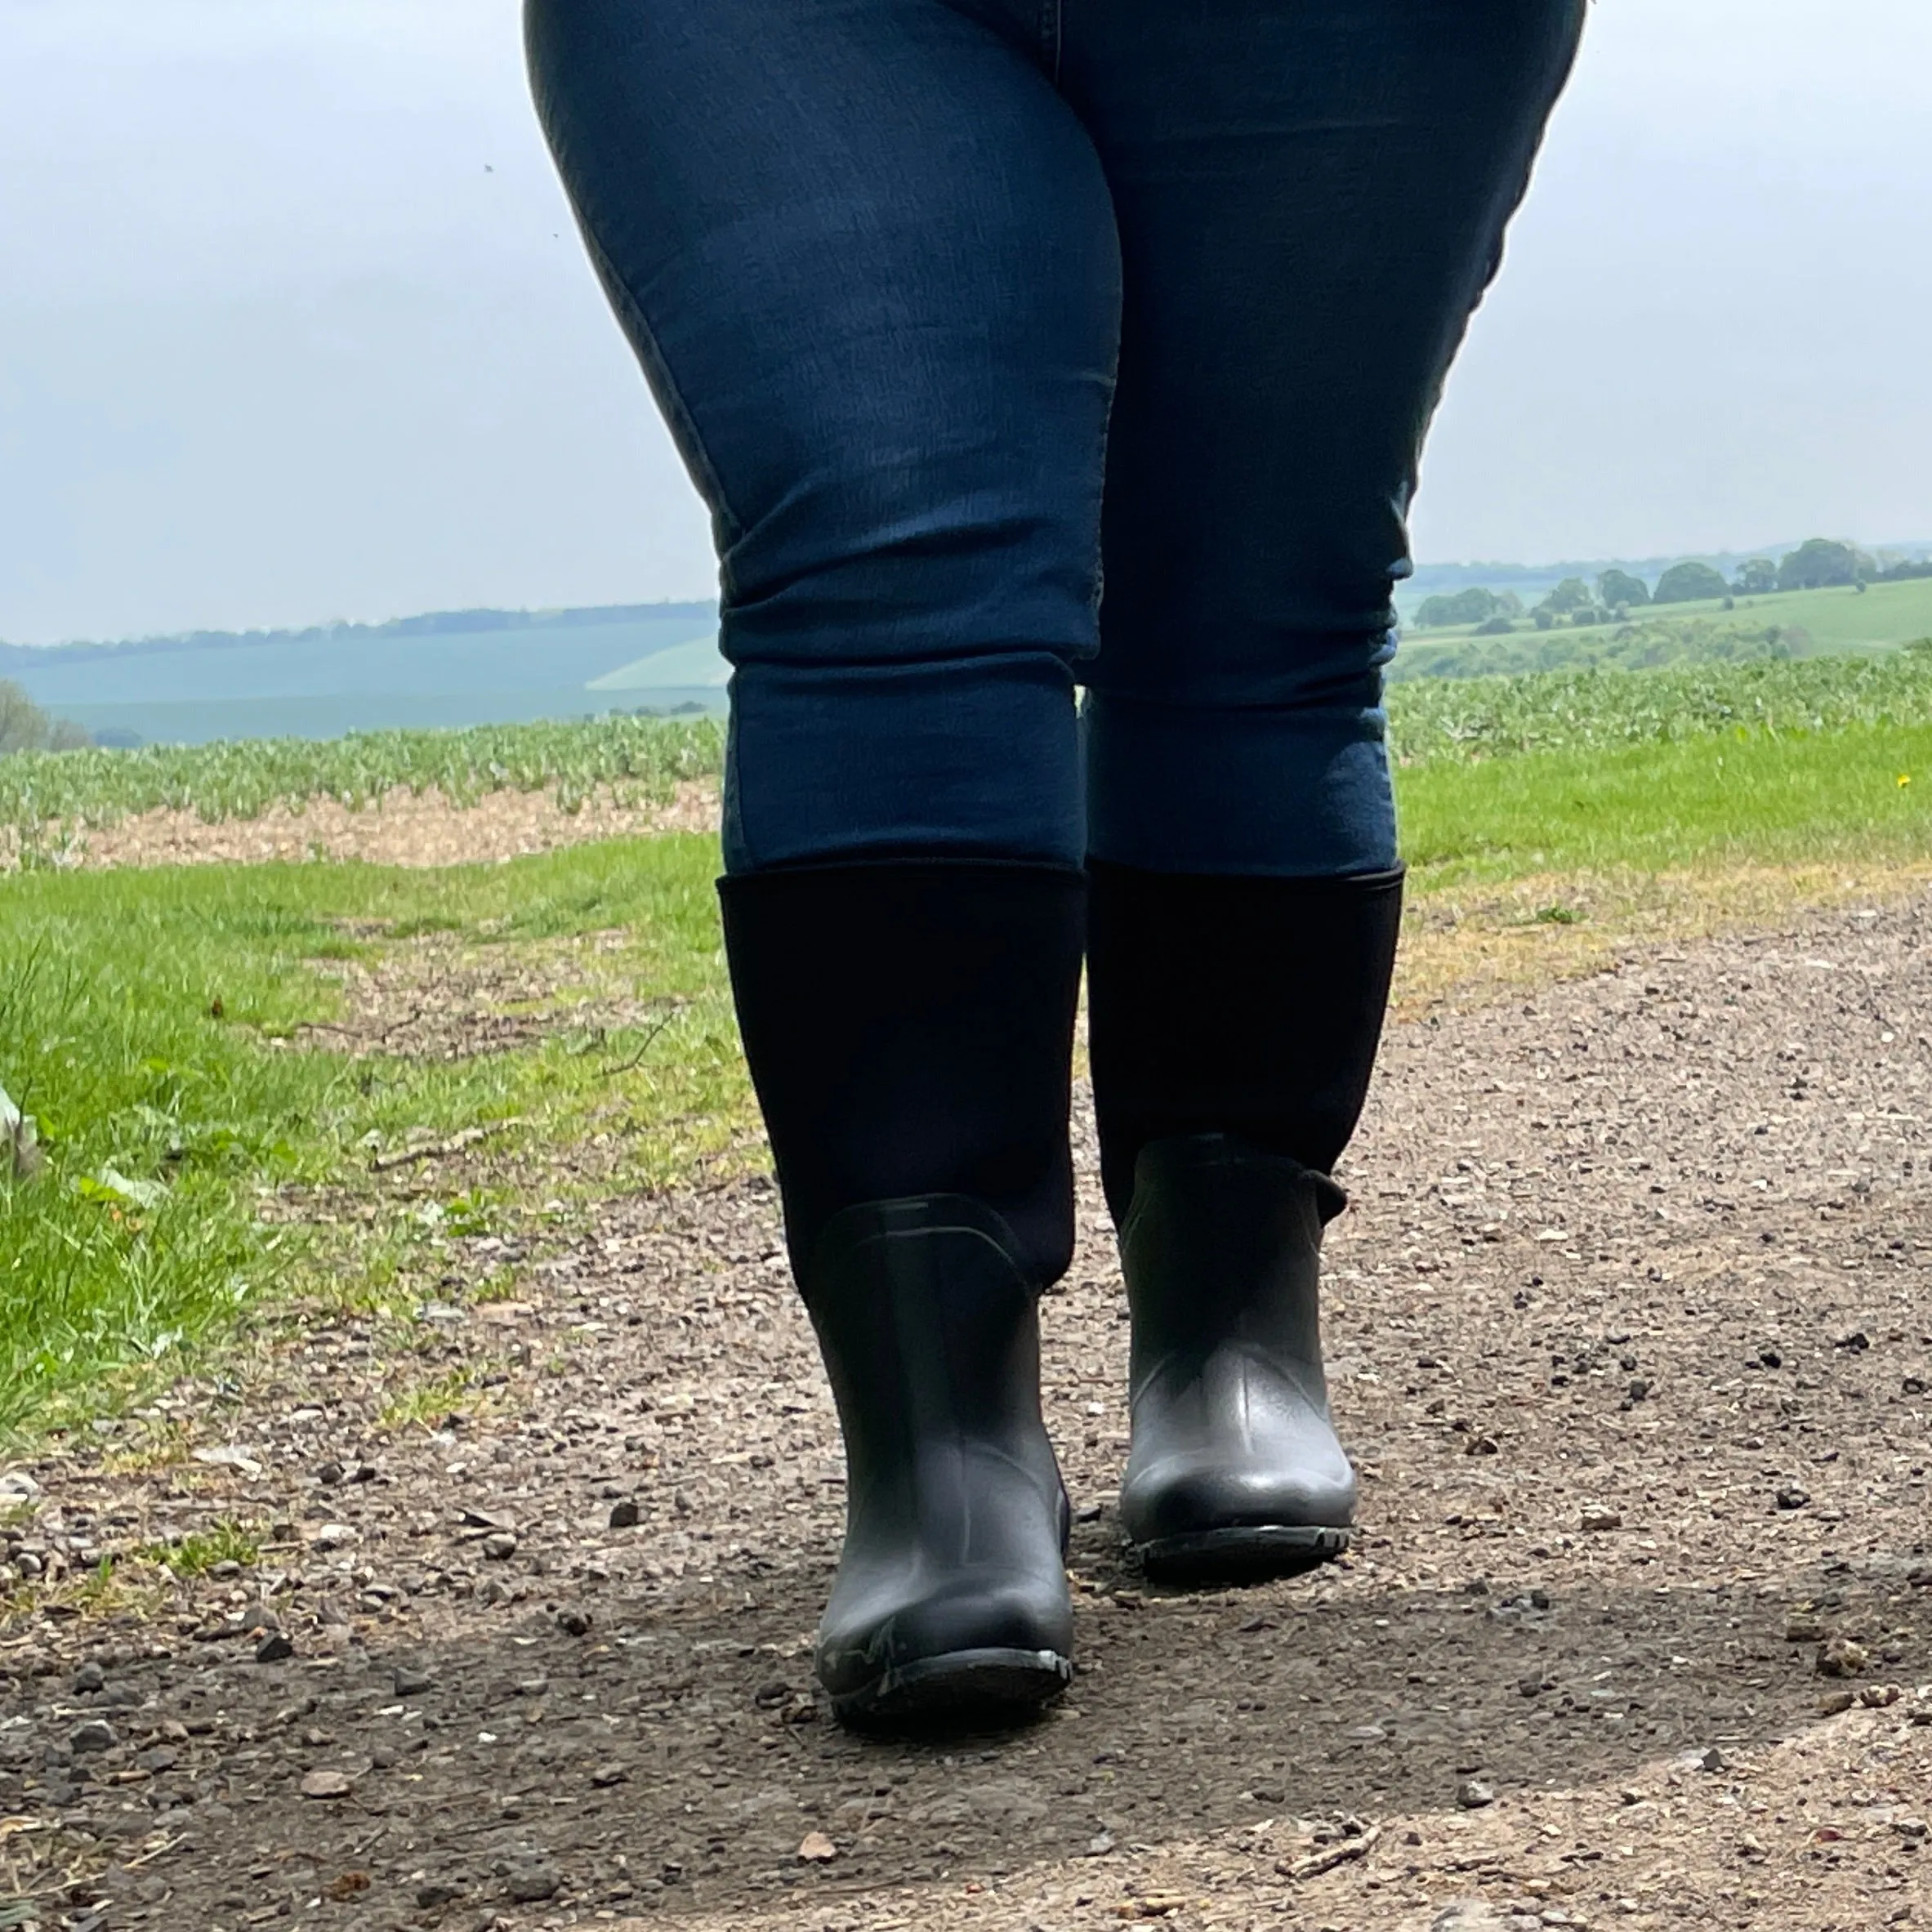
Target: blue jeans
{"x": 957, "y": 306}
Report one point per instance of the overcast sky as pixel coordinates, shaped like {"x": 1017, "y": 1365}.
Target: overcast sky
{"x": 293, "y": 325}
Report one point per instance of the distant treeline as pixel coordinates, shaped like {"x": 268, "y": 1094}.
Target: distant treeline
{"x": 435, "y": 623}
{"x": 25, "y": 727}
{"x": 1635, "y": 646}
{"x": 1819, "y": 562}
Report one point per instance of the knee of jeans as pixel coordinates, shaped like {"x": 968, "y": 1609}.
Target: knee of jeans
{"x": 1245, "y": 668}
{"x": 869, "y": 573}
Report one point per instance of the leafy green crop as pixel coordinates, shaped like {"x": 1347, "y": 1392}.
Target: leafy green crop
{"x": 643, "y": 758}
{"x": 1432, "y": 719}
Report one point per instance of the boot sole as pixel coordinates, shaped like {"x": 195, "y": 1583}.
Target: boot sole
{"x": 965, "y": 1687}
{"x": 1241, "y": 1555}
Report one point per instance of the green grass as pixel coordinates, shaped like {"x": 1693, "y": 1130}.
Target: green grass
{"x": 197, "y": 1552}
{"x": 427, "y": 1401}
{"x": 175, "y": 1139}
{"x": 1839, "y": 619}
{"x": 1751, "y": 798}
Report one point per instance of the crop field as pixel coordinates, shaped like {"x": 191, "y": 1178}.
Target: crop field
{"x": 1446, "y": 719}
{"x": 241, "y": 779}
{"x": 1431, "y": 721}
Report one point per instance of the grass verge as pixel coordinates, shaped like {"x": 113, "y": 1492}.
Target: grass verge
{"x": 223, "y": 1124}
{"x": 1795, "y": 797}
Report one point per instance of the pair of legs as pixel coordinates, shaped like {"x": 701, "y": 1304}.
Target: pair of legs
{"x": 959, "y": 309}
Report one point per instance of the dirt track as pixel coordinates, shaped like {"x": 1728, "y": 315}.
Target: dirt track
{"x": 1646, "y": 1252}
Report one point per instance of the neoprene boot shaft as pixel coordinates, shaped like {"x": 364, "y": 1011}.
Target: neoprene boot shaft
{"x": 1246, "y": 1006}
{"x": 908, "y": 1027}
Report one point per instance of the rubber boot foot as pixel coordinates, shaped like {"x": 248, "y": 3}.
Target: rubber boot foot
{"x": 979, "y": 1690}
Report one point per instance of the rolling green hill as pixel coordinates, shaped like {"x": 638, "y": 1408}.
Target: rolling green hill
{"x": 459, "y": 669}
{"x": 1839, "y": 621}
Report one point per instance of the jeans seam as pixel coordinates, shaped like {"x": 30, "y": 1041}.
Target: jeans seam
{"x": 644, "y": 341}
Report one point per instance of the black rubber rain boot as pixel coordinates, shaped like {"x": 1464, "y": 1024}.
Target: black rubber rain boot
{"x": 951, "y": 1600}
{"x": 1235, "y": 1467}
{"x": 908, "y": 1027}
{"x": 1234, "y": 1027}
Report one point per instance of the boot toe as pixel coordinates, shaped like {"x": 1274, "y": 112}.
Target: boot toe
{"x": 1198, "y": 1511}
{"x": 1182, "y": 1493}
{"x": 991, "y": 1646}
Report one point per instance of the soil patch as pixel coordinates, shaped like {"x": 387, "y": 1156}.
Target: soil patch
{"x": 404, "y": 828}
{"x": 438, "y": 995}
{"x": 1628, "y": 1333}
{"x": 1473, "y": 944}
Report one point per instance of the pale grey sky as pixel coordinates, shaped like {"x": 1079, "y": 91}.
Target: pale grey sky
{"x": 275, "y": 347}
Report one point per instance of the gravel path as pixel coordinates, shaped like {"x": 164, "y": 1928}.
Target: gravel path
{"x": 1630, "y": 1333}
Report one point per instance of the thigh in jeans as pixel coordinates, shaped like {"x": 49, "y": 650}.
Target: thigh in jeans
{"x": 1311, "y": 199}
{"x": 866, "y": 255}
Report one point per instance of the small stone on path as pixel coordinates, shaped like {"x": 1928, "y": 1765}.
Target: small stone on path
{"x": 327, "y": 1784}
{"x": 1840, "y": 1657}
{"x": 625, "y": 1514}
{"x": 816, "y": 1849}
{"x": 1467, "y": 1915}
{"x": 1473, "y": 1794}
{"x": 273, "y": 1648}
